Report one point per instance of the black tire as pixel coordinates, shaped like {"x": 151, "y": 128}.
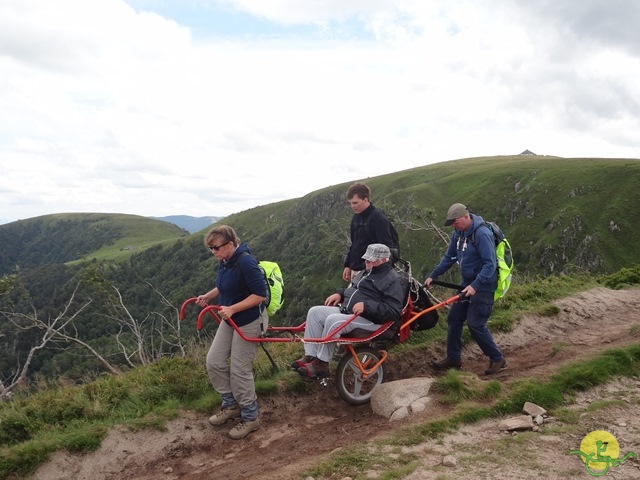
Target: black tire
{"x": 351, "y": 387}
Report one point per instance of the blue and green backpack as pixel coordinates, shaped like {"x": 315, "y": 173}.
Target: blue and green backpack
{"x": 504, "y": 257}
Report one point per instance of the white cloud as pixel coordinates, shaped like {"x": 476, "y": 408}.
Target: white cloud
{"x": 112, "y": 108}
{"x": 290, "y": 12}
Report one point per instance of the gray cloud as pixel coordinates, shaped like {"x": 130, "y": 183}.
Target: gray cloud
{"x": 589, "y": 23}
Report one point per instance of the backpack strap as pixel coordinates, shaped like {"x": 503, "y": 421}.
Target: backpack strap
{"x": 472, "y": 238}
{"x": 242, "y": 280}
{"x": 263, "y": 305}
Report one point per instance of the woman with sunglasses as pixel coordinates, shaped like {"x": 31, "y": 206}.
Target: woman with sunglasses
{"x": 241, "y": 292}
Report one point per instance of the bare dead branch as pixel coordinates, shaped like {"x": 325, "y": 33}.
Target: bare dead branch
{"x": 52, "y": 328}
{"x": 135, "y": 326}
{"x": 124, "y": 349}
{"x": 175, "y": 326}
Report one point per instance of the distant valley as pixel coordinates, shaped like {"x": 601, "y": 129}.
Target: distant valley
{"x": 190, "y": 224}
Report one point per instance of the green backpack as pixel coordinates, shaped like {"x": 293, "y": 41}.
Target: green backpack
{"x": 275, "y": 285}
{"x": 504, "y": 257}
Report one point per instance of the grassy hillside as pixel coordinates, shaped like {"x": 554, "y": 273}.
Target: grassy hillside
{"x": 69, "y": 237}
{"x": 560, "y": 214}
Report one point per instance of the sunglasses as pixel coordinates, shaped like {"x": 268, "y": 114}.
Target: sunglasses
{"x": 215, "y": 248}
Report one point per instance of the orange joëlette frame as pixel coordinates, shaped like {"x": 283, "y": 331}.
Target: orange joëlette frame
{"x": 330, "y": 338}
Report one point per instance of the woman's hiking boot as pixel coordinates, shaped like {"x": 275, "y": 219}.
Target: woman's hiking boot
{"x": 495, "y": 367}
{"x": 446, "y": 364}
{"x": 224, "y": 415}
{"x": 244, "y": 428}
{"x": 314, "y": 369}
{"x": 296, "y": 364}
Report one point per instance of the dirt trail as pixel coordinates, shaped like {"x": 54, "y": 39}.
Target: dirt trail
{"x": 298, "y": 431}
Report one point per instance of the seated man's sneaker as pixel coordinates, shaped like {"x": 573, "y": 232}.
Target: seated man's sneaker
{"x": 297, "y": 364}
{"x": 243, "y": 429}
{"x": 446, "y": 364}
{"x": 224, "y": 415}
{"x": 314, "y": 369}
{"x": 495, "y": 367}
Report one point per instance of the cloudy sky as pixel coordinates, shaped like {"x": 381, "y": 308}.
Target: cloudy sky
{"x": 210, "y": 107}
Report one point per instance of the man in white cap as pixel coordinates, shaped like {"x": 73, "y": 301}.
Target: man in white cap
{"x": 478, "y": 268}
{"x": 376, "y": 295}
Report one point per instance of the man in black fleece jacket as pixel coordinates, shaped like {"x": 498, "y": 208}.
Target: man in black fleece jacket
{"x": 368, "y": 225}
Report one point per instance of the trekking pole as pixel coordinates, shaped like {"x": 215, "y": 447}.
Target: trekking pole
{"x": 273, "y": 364}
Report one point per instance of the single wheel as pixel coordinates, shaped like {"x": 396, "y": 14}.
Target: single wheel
{"x": 350, "y": 383}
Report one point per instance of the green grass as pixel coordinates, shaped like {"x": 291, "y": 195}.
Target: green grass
{"x": 623, "y": 278}
{"x": 558, "y": 347}
{"x": 456, "y": 387}
{"x": 604, "y": 404}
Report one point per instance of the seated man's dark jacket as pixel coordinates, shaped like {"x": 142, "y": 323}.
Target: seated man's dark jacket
{"x": 381, "y": 290}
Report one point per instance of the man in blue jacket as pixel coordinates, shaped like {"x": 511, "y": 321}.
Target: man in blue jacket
{"x": 478, "y": 268}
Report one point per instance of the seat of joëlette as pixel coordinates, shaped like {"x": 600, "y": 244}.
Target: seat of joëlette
{"x": 387, "y": 334}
